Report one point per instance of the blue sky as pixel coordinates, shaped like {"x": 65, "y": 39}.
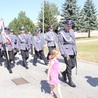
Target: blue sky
{"x": 9, "y": 9}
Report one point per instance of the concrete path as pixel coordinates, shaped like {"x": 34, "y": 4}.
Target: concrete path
{"x": 86, "y": 81}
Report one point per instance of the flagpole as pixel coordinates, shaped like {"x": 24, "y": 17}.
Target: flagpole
{"x": 43, "y": 16}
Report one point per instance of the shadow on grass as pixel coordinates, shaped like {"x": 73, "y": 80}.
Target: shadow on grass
{"x": 92, "y": 81}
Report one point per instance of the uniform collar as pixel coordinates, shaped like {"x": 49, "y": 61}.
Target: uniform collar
{"x": 66, "y": 30}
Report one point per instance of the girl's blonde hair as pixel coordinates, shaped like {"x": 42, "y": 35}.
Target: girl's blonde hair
{"x": 53, "y": 53}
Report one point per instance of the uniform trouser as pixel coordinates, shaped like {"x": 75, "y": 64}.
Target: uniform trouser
{"x": 31, "y": 49}
{"x": 0, "y": 56}
{"x": 41, "y": 53}
{"x": 70, "y": 64}
{"x": 15, "y": 51}
{"x": 25, "y": 56}
{"x": 9, "y": 55}
{"x": 50, "y": 48}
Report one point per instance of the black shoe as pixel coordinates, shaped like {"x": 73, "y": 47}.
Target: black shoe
{"x": 26, "y": 67}
{"x": 46, "y": 63}
{"x": 64, "y": 76}
{"x": 34, "y": 64}
{"x": 10, "y": 71}
{"x": 72, "y": 84}
{"x": 0, "y": 64}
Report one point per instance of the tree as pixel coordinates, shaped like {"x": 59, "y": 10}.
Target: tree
{"x": 89, "y": 17}
{"x": 70, "y": 10}
{"x": 54, "y": 9}
{"x": 22, "y": 20}
{"x": 49, "y": 15}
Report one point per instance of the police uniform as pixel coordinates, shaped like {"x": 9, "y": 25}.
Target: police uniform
{"x": 24, "y": 46}
{"x": 14, "y": 40}
{"x": 39, "y": 42}
{"x": 51, "y": 38}
{"x": 31, "y": 41}
{"x": 7, "y": 48}
{"x": 6, "y": 31}
{"x": 67, "y": 46}
{"x": 0, "y": 50}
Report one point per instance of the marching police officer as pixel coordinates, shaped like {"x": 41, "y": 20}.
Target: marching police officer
{"x": 6, "y": 30}
{"x": 67, "y": 46}
{"x": 30, "y": 36}
{"x": 39, "y": 42}
{"x": 7, "y": 48}
{"x": 14, "y": 40}
{"x": 0, "y": 50}
{"x": 24, "y": 46}
{"x": 51, "y": 38}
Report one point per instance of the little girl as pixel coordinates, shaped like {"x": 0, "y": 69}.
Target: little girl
{"x": 54, "y": 73}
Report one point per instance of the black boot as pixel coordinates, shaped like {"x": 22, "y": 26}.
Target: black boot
{"x": 64, "y": 75}
{"x": 10, "y": 70}
{"x": 34, "y": 64}
{"x": 0, "y": 64}
{"x": 72, "y": 84}
{"x": 26, "y": 67}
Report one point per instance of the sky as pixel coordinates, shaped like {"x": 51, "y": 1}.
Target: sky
{"x": 9, "y": 9}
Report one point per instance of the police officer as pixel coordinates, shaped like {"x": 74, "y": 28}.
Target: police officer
{"x": 67, "y": 46}
{"x": 7, "y": 48}
{"x": 14, "y": 40}
{"x": 30, "y": 36}
{"x": 0, "y": 50}
{"x": 51, "y": 38}
{"x": 39, "y": 42}
{"x": 6, "y": 30}
{"x": 24, "y": 46}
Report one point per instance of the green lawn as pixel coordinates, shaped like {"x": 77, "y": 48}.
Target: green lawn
{"x": 88, "y": 51}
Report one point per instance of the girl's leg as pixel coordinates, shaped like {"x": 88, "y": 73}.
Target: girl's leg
{"x": 59, "y": 90}
{"x": 51, "y": 91}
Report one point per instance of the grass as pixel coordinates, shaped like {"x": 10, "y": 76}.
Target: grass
{"x": 88, "y": 51}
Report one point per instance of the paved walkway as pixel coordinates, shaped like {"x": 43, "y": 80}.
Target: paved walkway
{"x": 86, "y": 81}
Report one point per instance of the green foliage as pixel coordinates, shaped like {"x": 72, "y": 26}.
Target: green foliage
{"x": 88, "y": 19}
{"x": 22, "y": 20}
{"x": 54, "y": 9}
{"x": 50, "y": 10}
{"x": 70, "y": 10}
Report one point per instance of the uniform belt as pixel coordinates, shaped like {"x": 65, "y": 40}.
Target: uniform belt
{"x": 65, "y": 43}
{"x": 22, "y": 42}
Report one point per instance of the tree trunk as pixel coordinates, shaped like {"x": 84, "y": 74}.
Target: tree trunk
{"x": 89, "y": 34}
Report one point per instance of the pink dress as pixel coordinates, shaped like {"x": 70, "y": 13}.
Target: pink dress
{"x": 54, "y": 73}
